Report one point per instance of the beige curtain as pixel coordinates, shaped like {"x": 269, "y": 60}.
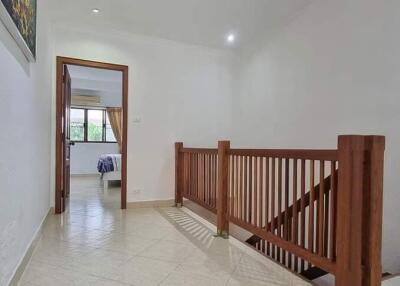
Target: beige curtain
{"x": 115, "y": 117}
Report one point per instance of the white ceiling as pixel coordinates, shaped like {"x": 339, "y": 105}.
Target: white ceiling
{"x": 200, "y": 22}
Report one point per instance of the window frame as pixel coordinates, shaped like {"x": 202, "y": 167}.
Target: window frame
{"x": 86, "y": 125}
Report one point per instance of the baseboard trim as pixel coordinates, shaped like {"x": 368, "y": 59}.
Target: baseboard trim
{"x": 85, "y": 175}
{"x": 29, "y": 251}
{"x": 151, "y": 204}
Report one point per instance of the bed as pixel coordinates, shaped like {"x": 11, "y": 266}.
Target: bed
{"x": 109, "y": 166}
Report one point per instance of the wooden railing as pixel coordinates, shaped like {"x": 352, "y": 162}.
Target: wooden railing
{"x": 198, "y": 180}
{"x": 306, "y": 208}
{"x": 269, "y": 197}
{"x": 311, "y": 226}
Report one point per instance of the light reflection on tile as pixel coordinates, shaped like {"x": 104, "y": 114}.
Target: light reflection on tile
{"x": 96, "y": 243}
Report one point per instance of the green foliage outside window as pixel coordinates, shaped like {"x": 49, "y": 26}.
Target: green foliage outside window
{"x": 95, "y": 132}
{"x": 77, "y": 131}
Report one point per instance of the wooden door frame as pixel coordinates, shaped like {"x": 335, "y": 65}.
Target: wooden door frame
{"x": 61, "y": 61}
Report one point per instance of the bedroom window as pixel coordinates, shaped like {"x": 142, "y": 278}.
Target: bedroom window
{"x": 91, "y": 125}
{"x": 109, "y": 133}
{"x": 95, "y": 125}
{"x": 77, "y": 127}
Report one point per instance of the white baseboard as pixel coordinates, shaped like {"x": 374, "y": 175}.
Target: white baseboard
{"x": 29, "y": 251}
{"x": 151, "y": 204}
{"x": 85, "y": 175}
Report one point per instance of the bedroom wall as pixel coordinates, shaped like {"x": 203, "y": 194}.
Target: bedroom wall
{"x": 176, "y": 92}
{"x": 25, "y": 109}
{"x": 334, "y": 70}
{"x": 84, "y": 156}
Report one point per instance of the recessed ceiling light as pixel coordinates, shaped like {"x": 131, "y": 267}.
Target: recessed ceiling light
{"x": 95, "y": 10}
{"x": 230, "y": 38}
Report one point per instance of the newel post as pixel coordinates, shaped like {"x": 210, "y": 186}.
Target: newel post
{"x": 350, "y": 210}
{"x": 222, "y": 195}
{"x": 373, "y": 210}
{"x": 178, "y": 174}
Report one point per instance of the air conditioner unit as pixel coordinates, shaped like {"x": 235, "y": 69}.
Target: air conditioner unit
{"x": 85, "y": 100}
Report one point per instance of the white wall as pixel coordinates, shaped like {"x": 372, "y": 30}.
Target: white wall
{"x": 84, "y": 156}
{"x": 25, "y": 108}
{"x": 180, "y": 92}
{"x": 334, "y": 70}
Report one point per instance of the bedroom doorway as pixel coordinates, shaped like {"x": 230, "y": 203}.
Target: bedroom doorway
{"x": 91, "y": 132}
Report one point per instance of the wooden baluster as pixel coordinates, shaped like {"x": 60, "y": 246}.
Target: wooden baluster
{"x": 260, "y": 200}
{"x": 241, "y": 188}
{"x": 320, "y": 204}
{"x": 326, "y": 221}
{"x": 213, "y": 193}
{"x": 251, "y": 190}
{"x": 295, "y": 213}
{"x": 190, "y": 173}
{"x": 194, "y": 174}
{"x": 201, "y": 178}
{"x": 232, "y": 185}
{"x": 210, "y": 180}
{"x": 198, "y": 166}
{"x": 204, "y": 183}
{"x": 333, "y": 211}
{"x": 205, "y": 176}
{"x": 187, "y": 167}
{"x": 215, "y": 181}
{"x": 236, "y": 187}
{"x": 311, "y": 209}
{"x": 267, "y": 201}
{"x": 273, "y": 202}
{"x": 279, "y": 227}
{"x": 303, "y": 209}
{"x": 245, "y": 190}
{"x": 286, "y": 217}
{"x": 210, "y": 176}
{"x": 255, "y": 197}
{"x": 207, "y": 179}
{"x": 222, "y": 198}
{"x": 196, "y": 177}
{"x": 187, "y": 175}
{"x": 184, "y": 174}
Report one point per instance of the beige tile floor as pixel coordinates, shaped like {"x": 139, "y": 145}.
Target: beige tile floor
{"x": 96, "y": 243}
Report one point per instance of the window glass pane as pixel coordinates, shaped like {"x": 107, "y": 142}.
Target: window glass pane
{"x": 77, "y": 125}
{"x": 95, "y": 125}
{"x": 109, "y": 133}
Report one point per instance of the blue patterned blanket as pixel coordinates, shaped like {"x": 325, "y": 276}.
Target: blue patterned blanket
{"x": 109, "y": 163}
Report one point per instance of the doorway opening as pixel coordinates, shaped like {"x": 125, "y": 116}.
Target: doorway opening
{"x": 91, "y": 128}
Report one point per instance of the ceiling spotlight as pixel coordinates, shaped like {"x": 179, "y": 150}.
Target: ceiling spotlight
{"x": 231, "y": 38}
{"x": 95, "y": 10}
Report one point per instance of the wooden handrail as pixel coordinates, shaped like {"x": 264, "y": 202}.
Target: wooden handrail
{"x": 308, "y": 154}
{"x": 200, "y": 150}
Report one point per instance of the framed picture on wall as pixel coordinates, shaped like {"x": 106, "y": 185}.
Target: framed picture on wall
{"x": 19, "y": 17}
